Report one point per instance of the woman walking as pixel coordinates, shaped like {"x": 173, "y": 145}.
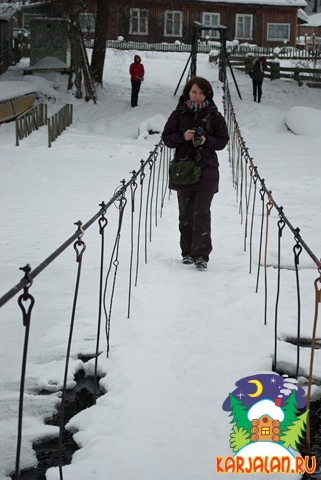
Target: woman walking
{"x": 196, "y": 130}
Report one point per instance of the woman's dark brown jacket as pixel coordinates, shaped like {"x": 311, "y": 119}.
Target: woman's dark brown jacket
{"x": 182, "y": 119}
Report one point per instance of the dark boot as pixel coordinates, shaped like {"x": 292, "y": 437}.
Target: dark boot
{"x": 254, "y": 98}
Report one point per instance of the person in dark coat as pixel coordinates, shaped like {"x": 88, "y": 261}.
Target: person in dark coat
{"x": 137, "y": 73}
{"x": 196, "y": 108}
{"x": 257, "y": 75}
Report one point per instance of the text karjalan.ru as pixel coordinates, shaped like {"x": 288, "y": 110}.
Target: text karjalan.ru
{"x": 265, "y": 464}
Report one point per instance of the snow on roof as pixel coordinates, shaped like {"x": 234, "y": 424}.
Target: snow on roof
{"x": 265, "y": 407}
{"x": 287, "y": 3}
{"x": 48, "y": 63}
{"x": 7, "y": 10}
{"x": 302, "y": 15}
{"x": 314, "y": 20}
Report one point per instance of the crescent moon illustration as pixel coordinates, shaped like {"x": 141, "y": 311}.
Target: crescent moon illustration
{"x": 259, "y": 387}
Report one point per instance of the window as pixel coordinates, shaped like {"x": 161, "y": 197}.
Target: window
{"x": 244, "y": 25}
{"x": 211, "y": 20}
{"x": 173, "y": 24}
{"x": 265, "y": 431}
{"x": 138, "y": 21}
{"x": 278, "y": 31}
{"x": 56, "y": 38}
{"x": 87, "y": 22}
{"x": 40, "y": 37}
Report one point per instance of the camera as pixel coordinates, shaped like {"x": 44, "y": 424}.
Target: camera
{"x": 199, "y": 131}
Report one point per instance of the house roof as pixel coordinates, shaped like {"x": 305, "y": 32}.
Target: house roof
{"x": 265, "y": 407}
{"x": 314, "y": 20}
{"x": 302, "y": 16}
{"x": 279, "y": 3}
{"x": 7, "y": 10}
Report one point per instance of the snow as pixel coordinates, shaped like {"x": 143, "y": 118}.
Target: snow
{"x": 14, "y": 89}
{"x": 302, "y": 15}
{"x": 47, "y": 63}
{"x": 191, "y": 335}
{"x": 303, "y": 121}
{"x": 265, "y": 407}
{"x": 314, "y": 20}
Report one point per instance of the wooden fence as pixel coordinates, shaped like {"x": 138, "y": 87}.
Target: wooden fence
{"x": 31, "y": 120}
{"x": 58, "y": 122}
{"x": 312, "y": 76}
{"x": 233, "y": 49}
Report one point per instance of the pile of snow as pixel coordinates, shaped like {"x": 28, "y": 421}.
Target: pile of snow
{"x": 151, "y": 125}
{"x": 303, "y": 120}
{"x": 15, "y": 89}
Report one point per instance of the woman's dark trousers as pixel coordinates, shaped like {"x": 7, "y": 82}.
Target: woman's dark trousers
{"x": 135, "y": 91}
{"x": 195, "y": 222}
{"x": 257, "y": 87}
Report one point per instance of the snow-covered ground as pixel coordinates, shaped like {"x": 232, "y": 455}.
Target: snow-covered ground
{"x": 191, "y": 335}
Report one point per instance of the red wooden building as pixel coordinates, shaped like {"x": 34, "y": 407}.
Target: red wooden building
{"x": 262, "y": 22}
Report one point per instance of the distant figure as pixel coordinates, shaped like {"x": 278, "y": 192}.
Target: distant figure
{"x": 137, "y": 72}
{"x": 257, "y": 75}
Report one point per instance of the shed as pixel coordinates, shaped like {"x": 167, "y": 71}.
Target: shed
{"x": 49, "y": 38}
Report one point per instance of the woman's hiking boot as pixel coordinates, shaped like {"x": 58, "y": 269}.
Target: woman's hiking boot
{"x": 187, "y": 260}
{"x": 200, "y": 263}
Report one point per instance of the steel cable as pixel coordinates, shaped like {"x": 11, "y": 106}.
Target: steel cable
{"x": 79, "y": 247}
{"x": 26, "y": 318}
{"x": 102, "y": 224}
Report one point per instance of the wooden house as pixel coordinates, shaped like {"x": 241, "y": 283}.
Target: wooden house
{"x": 7, "y": 22}
{"x": 34, "y": 10}
{"x": 265, "y": 429}
{"x": 267, "y": 23}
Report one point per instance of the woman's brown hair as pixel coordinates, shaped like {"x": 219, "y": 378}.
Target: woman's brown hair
{"x": 202, "y": 84}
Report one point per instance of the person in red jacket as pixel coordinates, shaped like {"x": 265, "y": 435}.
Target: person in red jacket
{"x": 137, "y": 73}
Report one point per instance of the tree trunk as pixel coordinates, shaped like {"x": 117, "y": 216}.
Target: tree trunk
{"x": 99, "y": 50}
{"x": 315, "y": 8}
{"x": 76, "y": 75}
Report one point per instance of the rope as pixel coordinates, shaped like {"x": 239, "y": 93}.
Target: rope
{"x": 314, "y": 333}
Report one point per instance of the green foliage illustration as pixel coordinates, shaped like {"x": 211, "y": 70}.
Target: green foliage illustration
{"x": 239, "y": 438}
{"x": 239, "y": 414}
{"x": 290, "y": 412}
{"x": 291, "y": 437}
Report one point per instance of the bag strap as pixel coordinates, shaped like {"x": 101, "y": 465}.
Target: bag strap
{"x": 208, "y": 121}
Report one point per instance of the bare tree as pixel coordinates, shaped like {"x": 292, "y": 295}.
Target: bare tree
{"x": 315, "y": 7}
{"x": 99, "y": 50}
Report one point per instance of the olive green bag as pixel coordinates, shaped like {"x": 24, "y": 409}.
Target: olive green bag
{"x": 188, "y": 172}
{"x": 184, "y": 172}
